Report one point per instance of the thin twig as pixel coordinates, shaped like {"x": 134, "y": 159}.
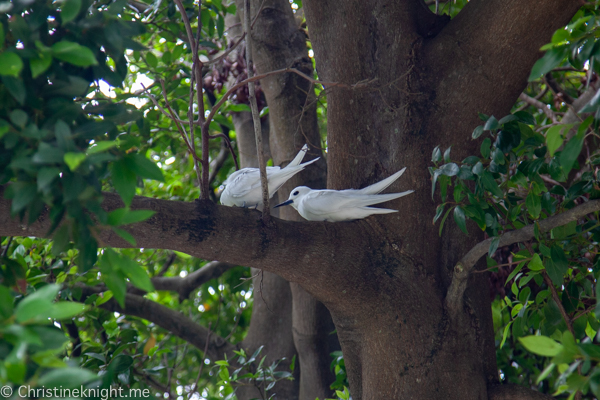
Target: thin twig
{"x": 255, "y": 117}
{"x": 174, "y": 118}
{"x": 255, "y": 78}
{"x": 195, "y": 387}
{"x": 226, "y": 53}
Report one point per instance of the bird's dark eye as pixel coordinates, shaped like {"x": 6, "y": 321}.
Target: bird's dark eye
{"x": 296, "y": 193}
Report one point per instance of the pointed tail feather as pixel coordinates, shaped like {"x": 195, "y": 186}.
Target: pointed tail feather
{"x": 382, "y": 185}
{"x": 298, "y": 159}
{"x": 280, "y": 177}
{"x": 371, "y": 199}
{"x": 373, "y": 210}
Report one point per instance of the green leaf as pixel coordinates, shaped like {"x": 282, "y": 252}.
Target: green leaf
{"x": 592, "y": 105}
{"x": 10, "y": 64}
{"x": 459, "y": 218}
{"x": 101, "y": 146}
{"x": 505, "y": 333}
{"x": 488, "y": 181}
{"x": 65, "y": 310}
{"x": 25, "y": 193}
{"x": 19, "y": 118}
{"x": 515, "y": 272}
{"x": 40, "y": 64}
{"x": 571, "y": 152}
{"x": 438, "y": 212}
{"x": 554, "y": 138}
{"x": 120, "y": 363}
{"x": 561, "y": 232}
{"x": 554, "y": 272}
{"x": 447, "y": 154}
{"x": 124, "y": 180}
{"x": 559, "y": 258}
{"x": 125, "y": 235}
{"x": 146, "y": 168}
{"x": 45, "y": 176}
{"x": 1, "y": 36}
{"x": 493, "y": 245}
{"x": 485, "y": 148}
{"x": 545, "y": 373}
{"x": 536, "y": 263}
{"x": 15, "y": 87}
{"x": 491, "y": 124}
{"x": 69, "y": 10}
{"x": 74, "y": 160}
{"x": 477, "y": 132}
{"x": 114, "y": 281}
{"x": 122, "y": 216}
{"x": 74, "y": 53}
{"x": 6, "y": 302}
{"x": 69, "y": 377}
{"x": 436, "y": 156}
{"x": 547, "y": 63}
{"x": 220, "y": 25}
{"x": 37, "y": 303}
{"x": 541, "y": 345}
{"x": 136, "y": 274}
{"x": 450, "y": 169}
{"x": 151, "y": 60}
{"x": 534, "y": 204}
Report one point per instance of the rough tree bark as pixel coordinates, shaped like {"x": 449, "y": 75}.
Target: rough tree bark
{"x": 298, "y": 325}
{"x": 279, "y": 43}
{"x": 384, "y": 279}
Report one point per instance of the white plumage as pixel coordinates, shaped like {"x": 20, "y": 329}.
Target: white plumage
{"x": 343, "y": 205}
{"x": 243, "y": 189}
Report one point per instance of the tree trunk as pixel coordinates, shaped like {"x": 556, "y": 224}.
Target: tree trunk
{"x": 423, "y": 85}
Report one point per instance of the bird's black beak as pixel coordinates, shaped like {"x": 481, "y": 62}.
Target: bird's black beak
{"x": 285, "y": 203}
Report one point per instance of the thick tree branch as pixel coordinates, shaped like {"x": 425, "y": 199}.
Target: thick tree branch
{"x": 462, "y": 270}
{"x": 171, "y": 320}
{"x": 234, "y": 235}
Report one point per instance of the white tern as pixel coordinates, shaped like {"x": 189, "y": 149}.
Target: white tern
{"x": 243, "y": 189}
{"x": 342, "y": 205}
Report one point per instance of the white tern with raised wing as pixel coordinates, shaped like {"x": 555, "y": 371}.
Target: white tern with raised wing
{"x": 243, "y": 189}
{"x": 342, "y": 205}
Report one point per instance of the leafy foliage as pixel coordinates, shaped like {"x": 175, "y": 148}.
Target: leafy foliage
{"x": 532, "y": 167}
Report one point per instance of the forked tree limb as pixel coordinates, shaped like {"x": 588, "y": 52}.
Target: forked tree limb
{"x": 462, "y": 270}
{"x": 229, "y": 234}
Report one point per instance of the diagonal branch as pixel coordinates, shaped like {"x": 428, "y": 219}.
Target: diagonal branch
{"x": 462, "y": 270}
{"x": 171, "y": 320}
